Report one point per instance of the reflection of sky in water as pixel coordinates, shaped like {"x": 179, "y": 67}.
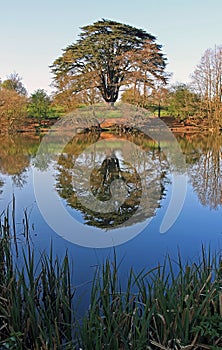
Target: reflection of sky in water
{"x": 197, "y": 224}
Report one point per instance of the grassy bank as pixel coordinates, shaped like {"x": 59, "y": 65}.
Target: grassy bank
{"x": 159, "y": 309}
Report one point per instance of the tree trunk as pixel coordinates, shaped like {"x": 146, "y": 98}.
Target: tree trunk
{"x": 110, "y": 105}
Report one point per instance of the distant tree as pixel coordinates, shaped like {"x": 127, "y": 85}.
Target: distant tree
{"x": 14, "y": 83}
{"x": 158, "y": 98}
{"x": 132, "y": 95}
{"x": 207, "y": 81}
{"x": 39, "y": 104}
{"x": 13, "y": 110}
{"x": 66, "y": 101}
{"x": 182, "y": 101}
{"x": 107, "y": 56}
{"x": 153, "y": 99}
{"x": 90, "y": 96}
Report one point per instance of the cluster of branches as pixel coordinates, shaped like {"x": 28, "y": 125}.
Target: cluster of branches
{"x": 13, "y": 102}
{"x": 207, "y": 82}
{"x": 107, "y": 56}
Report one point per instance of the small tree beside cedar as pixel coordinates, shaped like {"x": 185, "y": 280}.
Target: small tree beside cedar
{"x": 39, "y": 104}
{"x": 107, "y": 56}
{"x": 13, "y": 104}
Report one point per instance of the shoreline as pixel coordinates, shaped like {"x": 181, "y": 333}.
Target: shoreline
{"x": 43, "y": 126}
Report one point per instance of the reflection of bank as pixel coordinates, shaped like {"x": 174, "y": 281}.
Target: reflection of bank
{"x": 142, "y": 174}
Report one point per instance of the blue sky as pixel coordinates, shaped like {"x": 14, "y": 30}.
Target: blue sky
{"x": 34, "y": 32}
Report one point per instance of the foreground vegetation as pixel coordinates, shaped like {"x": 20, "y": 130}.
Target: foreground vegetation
{"x": 174, "y": 306}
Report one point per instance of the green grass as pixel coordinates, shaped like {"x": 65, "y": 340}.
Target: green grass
{"x": 174, "y": 306}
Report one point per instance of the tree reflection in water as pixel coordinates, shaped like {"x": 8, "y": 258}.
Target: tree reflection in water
{"x": 1, "y": 185}
{"x": 16, "y": 152}
{"x": 147, "y": 173}
{"x": 204, "y": 160}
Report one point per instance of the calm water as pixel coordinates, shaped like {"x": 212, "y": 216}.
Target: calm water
{"x": 67, "y": 177}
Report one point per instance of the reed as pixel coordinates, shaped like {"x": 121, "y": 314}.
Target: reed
{"x": 159, "y": 309}
{"x": 176, "y": 305}
{"x": 35, "y": 297}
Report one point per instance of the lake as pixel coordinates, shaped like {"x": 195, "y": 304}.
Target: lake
{"x": 92, "y": 196}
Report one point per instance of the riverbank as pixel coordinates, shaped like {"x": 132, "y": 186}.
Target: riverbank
{"x": 33, "y": 125}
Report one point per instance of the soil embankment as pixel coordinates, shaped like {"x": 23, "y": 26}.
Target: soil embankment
{"x": 172, "y": 123}
{"x": 34, "y": 125}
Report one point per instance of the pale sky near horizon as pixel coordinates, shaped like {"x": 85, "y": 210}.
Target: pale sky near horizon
{"x": 34, "y": 32}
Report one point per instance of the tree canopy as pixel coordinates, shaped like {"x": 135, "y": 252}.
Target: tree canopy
{"x": 13, "y": 109}
{"x": 14, "y": 83}
{"x": 182, "y": 101}
{"x": 39, "y": 104}
{"x": 106, "y": 56}
{"x": 207, "y": 82}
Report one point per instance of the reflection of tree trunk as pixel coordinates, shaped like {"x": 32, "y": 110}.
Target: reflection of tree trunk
{"x": 110, "y": 166}
{"x": 110, "y": 105}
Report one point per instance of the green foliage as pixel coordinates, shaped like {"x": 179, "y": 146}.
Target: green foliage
{"x": 182, "y": 103}
{"x": 131, "y": 96}
{"x": 155, "y": 101}
{"x": 108, "y": 55}
{"x": 39, "y": 105}
{"x": 209, "y": 327}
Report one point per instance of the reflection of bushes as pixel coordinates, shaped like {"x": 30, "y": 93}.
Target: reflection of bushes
{"x": 15, "y": 154}
{"x": 14, "y": 164}
{"x": 169, "y": 307}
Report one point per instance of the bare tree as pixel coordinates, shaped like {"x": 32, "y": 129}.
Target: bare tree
{"x": 14, "y": 83}
{"x": 207, "y": 80}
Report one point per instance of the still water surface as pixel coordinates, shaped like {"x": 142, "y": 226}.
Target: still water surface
{"x": 200, "y": 221}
